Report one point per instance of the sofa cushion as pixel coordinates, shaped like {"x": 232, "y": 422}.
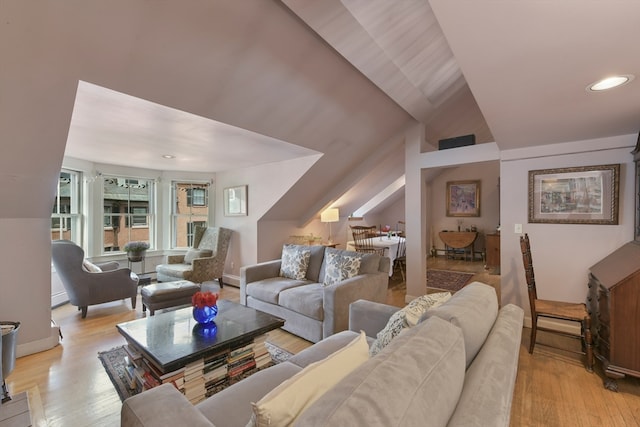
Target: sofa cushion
{"x": 473, "y": 309}
{"x": 407, "y": 317}
{"x": 174, "y": 270}
{"x": 306, "y": 300}
{"x": 268, "y": 290}
{"x": 295, "y": 261}
{"x": 322, "y": 349}
{"x": 284, "y": 403}
{"x": 425, "y": 364}
{"x": 369, "y": 263}
{"x": 196, "y": 253}
{"x": 340, "y": 265}
{"x": 315, "y": 263}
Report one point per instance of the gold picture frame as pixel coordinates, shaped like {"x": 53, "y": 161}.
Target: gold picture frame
{"x": 576, "y": 195}
{"x": 235, "y": 201}
{"x": 463, "y": 198}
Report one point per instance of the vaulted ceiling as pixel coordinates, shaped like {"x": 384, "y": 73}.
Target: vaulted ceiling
{"x": 341, "y": 78}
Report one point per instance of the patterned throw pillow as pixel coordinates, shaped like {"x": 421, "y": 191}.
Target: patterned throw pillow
{"x": 295, "y": 261}
{"x": 407, "y": 317}
{"x": 340, "y": 265}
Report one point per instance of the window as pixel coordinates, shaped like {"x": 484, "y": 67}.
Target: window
{"x": 196, "y": 197}
{"x": 65, "y": 217}
{"x": 190, "y": 208}
{"x": 128, "y": 214}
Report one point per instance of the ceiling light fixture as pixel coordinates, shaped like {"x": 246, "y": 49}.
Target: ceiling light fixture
{"x": 610, "y": 83}
{"x": 168, "y": 156}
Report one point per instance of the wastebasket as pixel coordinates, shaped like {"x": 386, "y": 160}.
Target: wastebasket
{"x": 7, "y": 353}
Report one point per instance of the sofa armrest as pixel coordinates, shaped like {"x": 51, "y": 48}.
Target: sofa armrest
{"x": 108, "y": 266}
{"x": 487, "y": 394}
{"x": 163, "y": 405}
{"x": 337, "y": 297}
{"x": 256, "y": 272}
{"x": 370, "y": 317}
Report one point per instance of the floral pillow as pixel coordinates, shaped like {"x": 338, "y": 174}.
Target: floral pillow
{"x": 295, "y": 261}
{"x": 340, "y": 265}
{"x": 407, "y": 317}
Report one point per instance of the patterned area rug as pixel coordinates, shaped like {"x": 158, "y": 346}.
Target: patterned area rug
{"x": 446, "y": 280}
{"x": 113, "y": 363}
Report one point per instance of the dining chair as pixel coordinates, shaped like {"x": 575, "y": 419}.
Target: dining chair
{"x": 574, "y": 312}
{"x": 363, "y": 241}
{"x": 401, "y": 257}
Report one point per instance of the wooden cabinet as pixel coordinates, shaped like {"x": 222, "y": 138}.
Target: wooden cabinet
{"x": 613, "y": 302}
{"x": 492, "y": 244}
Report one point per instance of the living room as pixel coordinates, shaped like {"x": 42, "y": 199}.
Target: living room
{"x": 352, "y": 131}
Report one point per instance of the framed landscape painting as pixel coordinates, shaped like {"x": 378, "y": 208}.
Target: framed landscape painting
{"x": 577, "y": 195}
{"x": 463, "y": 198}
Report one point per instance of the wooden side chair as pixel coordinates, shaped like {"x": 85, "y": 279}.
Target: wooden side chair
{"x": 575, "y": 312}
{"x": 362, "y": 239}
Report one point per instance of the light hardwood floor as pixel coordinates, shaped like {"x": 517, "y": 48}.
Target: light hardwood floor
{"x": 552, "y": 388}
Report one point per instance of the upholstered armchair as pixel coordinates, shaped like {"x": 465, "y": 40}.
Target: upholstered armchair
{"x": 105, "y": 283}
{"x": 203, "y": 262}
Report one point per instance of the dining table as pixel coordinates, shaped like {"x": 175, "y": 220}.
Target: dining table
{"x": 389, "y": 243}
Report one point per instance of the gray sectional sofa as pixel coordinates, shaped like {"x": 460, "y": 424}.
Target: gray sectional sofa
{"x": 457, "y": 367}
{"x": 313, "y": 311}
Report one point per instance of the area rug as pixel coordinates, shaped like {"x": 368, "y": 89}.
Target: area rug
{"x": 445, "y": 280}
{"x": 113, "y": 363}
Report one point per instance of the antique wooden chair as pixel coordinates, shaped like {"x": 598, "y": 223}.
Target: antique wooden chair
{"x": 575, "y": 312}
{"x": 363, "y": 241}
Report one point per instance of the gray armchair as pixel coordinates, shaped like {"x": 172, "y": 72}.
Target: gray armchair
{"x": 204, "y": 262}
{"x": 85, "y": 288}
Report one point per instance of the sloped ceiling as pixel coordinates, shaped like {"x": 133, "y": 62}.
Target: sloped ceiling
{"x": 342, "y": 78}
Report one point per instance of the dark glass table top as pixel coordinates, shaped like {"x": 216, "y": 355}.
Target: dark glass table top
{"x": 173, "y": 339}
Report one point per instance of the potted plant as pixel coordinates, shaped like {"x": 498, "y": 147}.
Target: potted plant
{"x": 136, "y": 250}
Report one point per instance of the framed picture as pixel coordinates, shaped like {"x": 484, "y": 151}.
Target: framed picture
{"x": 579, "y": 195}
{"x": 463, "y": 198}
{"x": 235, "y": 201}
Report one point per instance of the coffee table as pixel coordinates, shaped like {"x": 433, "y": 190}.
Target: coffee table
{"x": 173, "y": 345}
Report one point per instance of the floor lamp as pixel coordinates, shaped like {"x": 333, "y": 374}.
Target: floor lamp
{"x": 330, "y": 215}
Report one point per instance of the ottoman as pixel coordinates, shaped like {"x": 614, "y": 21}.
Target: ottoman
{"x": 167, "y": 294}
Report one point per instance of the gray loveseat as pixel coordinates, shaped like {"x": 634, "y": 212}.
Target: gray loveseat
{"x": 313, "y": 311}
{"x": 457, "y": 367}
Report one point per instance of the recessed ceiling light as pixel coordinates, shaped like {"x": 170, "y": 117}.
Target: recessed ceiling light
{"x": 168, "y": 156}
{"x": 610, "y": 83}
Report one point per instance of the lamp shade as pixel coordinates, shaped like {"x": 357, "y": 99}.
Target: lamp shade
{"x": 330, "y": 215}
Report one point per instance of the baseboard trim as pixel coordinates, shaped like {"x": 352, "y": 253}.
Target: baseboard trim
{"x": 231, "y": 280}
{"x": 40, "y": 345}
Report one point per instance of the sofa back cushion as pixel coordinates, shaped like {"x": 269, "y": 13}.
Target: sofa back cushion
{"x": 473, "y": 309}
{"x": 315, "y": 263}
{"x": 415, "y": 381}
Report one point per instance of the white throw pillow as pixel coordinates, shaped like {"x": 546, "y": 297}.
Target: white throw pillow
{"x": 407, "y": 317}
{"x": 196, "y": 253}
{"x": 91, "y": 267}
{"x": 295, "y": 261}
{"x": 282, "y": 405}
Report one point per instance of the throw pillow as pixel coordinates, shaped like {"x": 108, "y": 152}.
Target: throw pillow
{"x": 282, "y": 405}
{"x": 196, "y": 253}
{"x": 295, "y": 261}
{"x": 407, "y": 317}
{"x": 91, "y": 267}
{"x": 340, "y": 265}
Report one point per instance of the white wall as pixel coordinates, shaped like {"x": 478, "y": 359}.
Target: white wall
{"x": 266, "y": 185}
{"x": 562, "y": 253}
